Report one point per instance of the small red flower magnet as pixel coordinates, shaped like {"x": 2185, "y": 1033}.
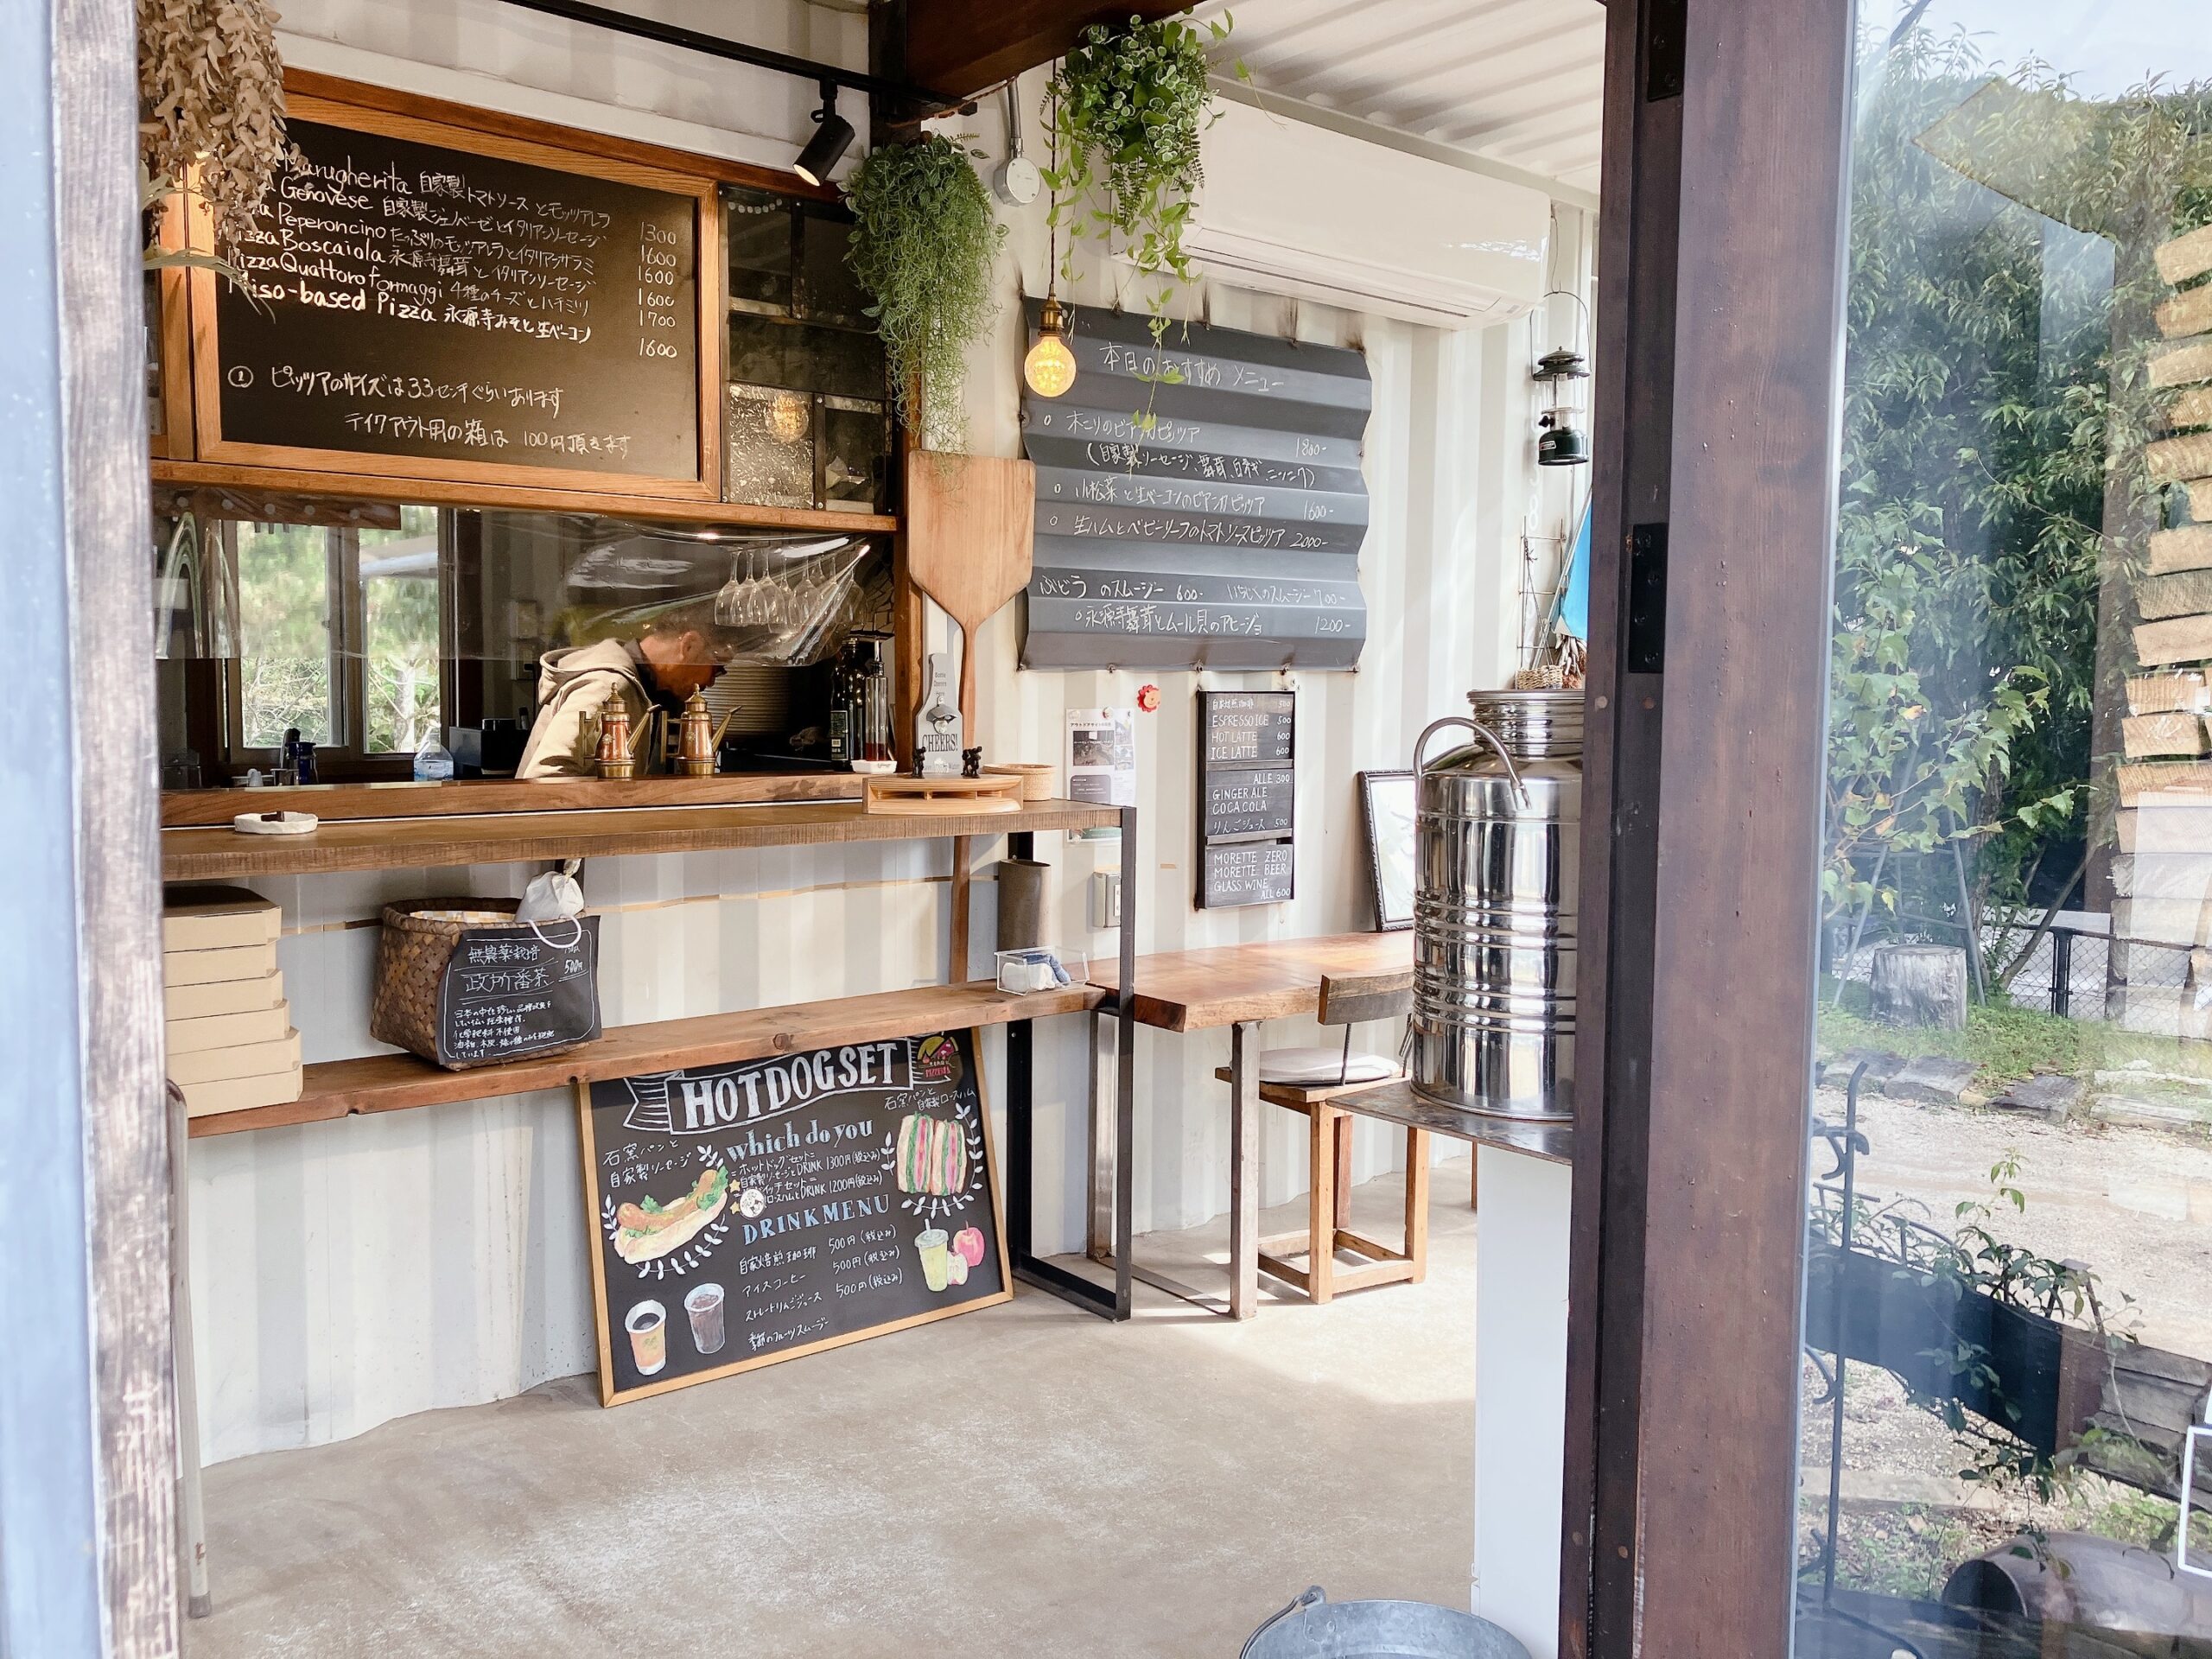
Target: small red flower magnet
{"x": 1149, "y": 699}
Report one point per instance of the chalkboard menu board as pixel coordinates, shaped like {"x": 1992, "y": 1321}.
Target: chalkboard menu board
{"x": 1199, "y": 503}
{"x": 511, "y": 991}
{"x": 1247, "y": 796}
{"x": 432, "y": 301}
{"x": 753, "y": 1212}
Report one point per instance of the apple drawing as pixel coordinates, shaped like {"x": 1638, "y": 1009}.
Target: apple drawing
{"x": 956, "y": 1269}
{"x": 968, "y": 1244}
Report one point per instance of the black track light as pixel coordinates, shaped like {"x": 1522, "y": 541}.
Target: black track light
{"x": 833, "y": 136}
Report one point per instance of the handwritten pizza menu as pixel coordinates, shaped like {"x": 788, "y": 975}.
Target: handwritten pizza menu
{"x": 407, "y": 299}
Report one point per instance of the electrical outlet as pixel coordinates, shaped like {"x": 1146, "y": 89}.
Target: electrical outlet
{"x": 1105, "y": 899}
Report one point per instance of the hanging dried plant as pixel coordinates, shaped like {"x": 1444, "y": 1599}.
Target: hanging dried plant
{"x": 211, "y": 96}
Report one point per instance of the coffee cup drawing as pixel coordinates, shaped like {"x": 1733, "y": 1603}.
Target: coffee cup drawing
{"x": 647, "y": 1324}
{"x": 704, "y": 1304}
{"x": 931, "y": 1244}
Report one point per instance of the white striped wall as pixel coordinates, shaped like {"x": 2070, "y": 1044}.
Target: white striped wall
{"x": 346, "y": 1273}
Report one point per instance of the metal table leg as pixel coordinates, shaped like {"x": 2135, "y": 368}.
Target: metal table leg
{"x": 1245, "y": 1171}
{"x": 1112, "y": 1303}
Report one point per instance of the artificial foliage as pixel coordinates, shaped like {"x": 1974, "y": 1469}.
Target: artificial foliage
{"x": 211, "y": 94}
{"x": 924, "y": 239}
{"x": 1128, "y": 106}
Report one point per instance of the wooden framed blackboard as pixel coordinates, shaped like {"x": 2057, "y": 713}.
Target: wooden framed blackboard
{"x": 1248, "y": 798}
{"x": 753, "y": 1212}
{"x": 439, "y": 302}
{"x": 1199, "y": 501}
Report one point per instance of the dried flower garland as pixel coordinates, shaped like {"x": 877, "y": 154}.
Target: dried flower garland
{"x": 210, "y": 92}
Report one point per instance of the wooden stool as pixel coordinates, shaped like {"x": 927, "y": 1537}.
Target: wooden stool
{"x": 1330, "y": 1106}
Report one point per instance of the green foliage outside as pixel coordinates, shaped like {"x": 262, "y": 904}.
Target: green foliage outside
{"x": 1978, "y": 418}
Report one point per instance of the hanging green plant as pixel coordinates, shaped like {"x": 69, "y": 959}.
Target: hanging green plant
{"x": 1128, "y": 105}
{"x": 924, "y": 239}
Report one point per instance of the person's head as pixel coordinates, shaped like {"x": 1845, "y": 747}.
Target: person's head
{"x": 683, "y": 651}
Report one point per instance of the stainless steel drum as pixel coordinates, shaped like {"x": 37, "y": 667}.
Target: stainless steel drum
{"x": 1499, "y": 824}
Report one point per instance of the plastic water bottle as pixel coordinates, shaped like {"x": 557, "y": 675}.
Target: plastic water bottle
{"x": 433, "y": 761}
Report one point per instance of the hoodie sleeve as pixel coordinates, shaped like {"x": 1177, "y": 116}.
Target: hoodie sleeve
{"x": 564, "y": 742}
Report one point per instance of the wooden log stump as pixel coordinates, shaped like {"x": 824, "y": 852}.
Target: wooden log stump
{"x": 1921, "y": 985}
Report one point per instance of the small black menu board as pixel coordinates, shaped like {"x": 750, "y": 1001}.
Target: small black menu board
{"x": 513, "y": 991}
{"x": 1248, "y": 798}
{"x": 753, "y": 1212}
{"x": 442, "y": 303}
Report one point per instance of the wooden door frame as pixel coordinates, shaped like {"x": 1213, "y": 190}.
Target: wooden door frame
{"x": 87, "y": 1424}
{"x": 1719, "y": 381}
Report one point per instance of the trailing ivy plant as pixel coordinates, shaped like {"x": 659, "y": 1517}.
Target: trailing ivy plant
{"x": 924, "y": 239}
{"x": 1128, "y": 106}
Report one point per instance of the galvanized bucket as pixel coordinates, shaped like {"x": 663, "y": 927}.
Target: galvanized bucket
{"x": 1314, "y": 1627}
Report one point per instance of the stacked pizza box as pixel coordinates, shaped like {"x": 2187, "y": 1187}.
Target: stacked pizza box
{"x": 230, "y": 1041}
{"x": 2161, "y": 877}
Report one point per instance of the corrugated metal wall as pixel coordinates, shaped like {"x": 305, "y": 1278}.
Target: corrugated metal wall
{"x": 349, "y": 1273}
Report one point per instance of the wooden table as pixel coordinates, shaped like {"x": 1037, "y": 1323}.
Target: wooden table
{"x": 1237, "y": 986}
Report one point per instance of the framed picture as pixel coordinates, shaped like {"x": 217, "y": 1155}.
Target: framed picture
{"x": 1386, "y": 804}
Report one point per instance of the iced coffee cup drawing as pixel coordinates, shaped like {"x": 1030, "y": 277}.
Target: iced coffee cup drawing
{"x": 931, "y": 1244}
{"x": 704, "y": 1304}
{"x": 647, "y": 1324}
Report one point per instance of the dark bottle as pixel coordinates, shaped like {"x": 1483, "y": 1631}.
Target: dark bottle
{"x": 844, "y": 682}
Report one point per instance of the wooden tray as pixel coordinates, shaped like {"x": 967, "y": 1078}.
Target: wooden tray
{"x": 925, "y": 796}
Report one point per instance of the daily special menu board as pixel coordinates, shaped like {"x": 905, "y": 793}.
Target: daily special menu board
{"x": 1248, "y": 798}
{"x": 1199, "y": 502}
{"x": 478, "y": 312}
{"x": 753, "y": 1212}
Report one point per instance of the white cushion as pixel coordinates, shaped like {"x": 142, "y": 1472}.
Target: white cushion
{"x": 1312, "y": 1065}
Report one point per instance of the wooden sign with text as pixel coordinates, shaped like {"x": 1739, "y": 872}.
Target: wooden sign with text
{"x": 753, "y": 1212}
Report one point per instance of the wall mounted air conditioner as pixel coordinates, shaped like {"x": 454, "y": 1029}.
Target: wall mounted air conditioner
{"x": 1291, "y": 208}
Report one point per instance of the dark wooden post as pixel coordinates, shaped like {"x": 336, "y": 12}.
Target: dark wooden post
{"x": 87, "y": 1432}
{"x": 1719, "y": 324}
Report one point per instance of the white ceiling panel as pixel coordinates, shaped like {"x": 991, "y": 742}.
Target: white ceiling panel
{"x": 1519, "y": 83}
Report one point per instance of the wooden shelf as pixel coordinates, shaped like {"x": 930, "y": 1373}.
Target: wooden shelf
{"x": 394, "y": 1083}
{"x": 438, "y": 492}
{"x": 202, "y": 853}
{"x": 466, "y": 795}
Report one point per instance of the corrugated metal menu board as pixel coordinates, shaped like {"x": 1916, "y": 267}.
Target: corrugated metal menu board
{"x": 1199, "y": 503}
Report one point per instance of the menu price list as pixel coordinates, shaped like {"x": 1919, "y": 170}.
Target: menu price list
{"x": 750, "y": 1212}
{"x": 405, "y": 299}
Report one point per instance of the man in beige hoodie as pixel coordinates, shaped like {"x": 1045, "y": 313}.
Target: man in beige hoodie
{"x": 673, "y": 658}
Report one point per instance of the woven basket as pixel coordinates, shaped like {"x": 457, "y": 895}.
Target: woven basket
{"x": 417, "y": 943}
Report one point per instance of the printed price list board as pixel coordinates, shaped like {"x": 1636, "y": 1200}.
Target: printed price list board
{"x": 753, "y": 1212}
{"x": 424, "y": 301}
{"x": 1248, "y": 798}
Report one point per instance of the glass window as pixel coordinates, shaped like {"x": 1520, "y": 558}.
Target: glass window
{"x": 284, "y": 590}
{"x": 2009, "y": 1281}
{"x": 398, "y": 573}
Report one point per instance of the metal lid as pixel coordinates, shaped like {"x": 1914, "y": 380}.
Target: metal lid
{"x": 1533, "y": 725}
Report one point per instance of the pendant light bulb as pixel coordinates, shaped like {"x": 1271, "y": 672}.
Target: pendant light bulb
{"x": 1049, "y": 366}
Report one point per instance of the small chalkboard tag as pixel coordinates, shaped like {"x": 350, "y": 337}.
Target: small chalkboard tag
{"x": 509, "y": 992}
{"x": 1250, "y": 873}
{"x": 754, "y": 1211}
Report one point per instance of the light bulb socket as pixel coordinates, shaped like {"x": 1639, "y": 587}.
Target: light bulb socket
{"x": 833, "y": 136}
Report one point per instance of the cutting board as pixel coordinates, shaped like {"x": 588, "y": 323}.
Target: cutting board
{"x": 971, "y": 532}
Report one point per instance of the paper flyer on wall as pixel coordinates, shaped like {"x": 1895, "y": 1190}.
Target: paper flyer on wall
{"x": 1102, "y": 762}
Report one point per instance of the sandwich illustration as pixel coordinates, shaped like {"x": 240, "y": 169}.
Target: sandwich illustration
{"x": 646, "y": 1231}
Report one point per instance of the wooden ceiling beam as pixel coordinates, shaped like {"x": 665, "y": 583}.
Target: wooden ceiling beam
{"x": 963, "y": 46}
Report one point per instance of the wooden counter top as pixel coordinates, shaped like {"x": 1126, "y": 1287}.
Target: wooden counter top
{"x": 393, "y": 1082}
{"x": 462, "y": 797}
{"x": 210, "y": 854}
{"x": 1228, "y": 984}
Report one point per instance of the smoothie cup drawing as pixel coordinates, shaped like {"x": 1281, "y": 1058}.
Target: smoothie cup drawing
{"x": 931, "y": 1244}
{"x": 647, "y": 1324}
{"x": 704, "y": 1304}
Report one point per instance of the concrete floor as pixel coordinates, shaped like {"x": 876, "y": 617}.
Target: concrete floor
{"x": 1024, "y": 1481}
